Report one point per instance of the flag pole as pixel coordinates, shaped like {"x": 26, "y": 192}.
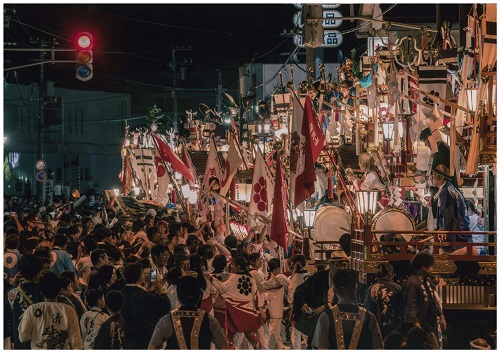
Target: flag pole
{"x": 241, "y": 153}
{"x": 177, "y": 189}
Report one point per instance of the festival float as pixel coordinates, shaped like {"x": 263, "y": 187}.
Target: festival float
{"x": 296, "y": 167}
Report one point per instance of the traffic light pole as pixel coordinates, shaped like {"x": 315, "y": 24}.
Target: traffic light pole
{"x": 43, "y": 51}
{"x": 41, "y": 95}
{"x": 173, "y": 66}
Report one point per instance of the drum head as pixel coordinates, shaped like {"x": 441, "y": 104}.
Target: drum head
{"x": 393, "y": 219}
{"x": 330, "y": 223}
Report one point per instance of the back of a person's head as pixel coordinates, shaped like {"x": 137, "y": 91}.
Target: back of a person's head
{"x": 188, "y": 291}
{"x": 299, "y": 258}
{"x": 65, "y": 281}
{"x": 385, "y": 270}
{"x": 72, "y": 248}
{"x": 159, "y": 248}
{"x": 50, "y": 285}
{"x": 206, "y": 251}
{"x": 151, "y": 232}
{"x": 253, "y": 257}
{"x": 195, "y": 262}
{"x": 90, "y": 244}
{"x": 132, "y": 272}
{"x": 93, "y": 297}
{"x": 190, "y": 228}
{"x": 416, "y": 338}
{"x": 345, "y": 280}
{"x": 114, "y": 301}
{"x": 31, "y": 265}
{"x": 394, "y": 340}
{"x": 480, "y": 344}
{"x": 69, "y": 275}
{"x": 65, "y": 218}
{"x": 12, "y": 241}
{"x": 180, "y": 249}
{"x": 179, "y": 258}
{"x": 192, "y": 241}
{"x": 32, "y": 244}
{"x": 273, "y": 264}
{"x": 219, "y": 263}
{"x": 422, "y": 260}
{"x": 241, "y": 263}
{"x": 173, "y": 228}
{"x": 72, "y": 231}
{"x": 60, "y": 240}
{"x": 173, "y": 276}
{"x": 102, "y": 233}
{"x": 104, "y": 274}
{"x": 43, "y": 251}
{"x": 96, "y": 255}
{"x": 230, "y": 241}
{"x": 137, "y": 226}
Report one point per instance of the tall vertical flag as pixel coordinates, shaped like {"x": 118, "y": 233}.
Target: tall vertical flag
{"x": 311, "y": 144}
{"x": 489, "y": 31}
{"x": 213, "y": 168}
{"x": 432, "y": 79}
{"x": 279, "y": 230}
{"x": 262, "y": 189}
{"x": 167, "y": 155}
{"x": 142, "y": 161}
{"x": 295, "y": 140}
{"x": 187, "y": 161}
{"x": 162, "y": 176}
{"x": 233, "y": 161}
{"x": 126, "y": 175}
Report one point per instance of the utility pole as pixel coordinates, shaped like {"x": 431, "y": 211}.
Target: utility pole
{"x": 173, "y": 66}
{"x": 219, "y": 92}
{"x": 41, "y": 120}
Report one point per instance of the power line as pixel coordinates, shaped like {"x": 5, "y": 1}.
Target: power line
{"x": 183, "y": 27}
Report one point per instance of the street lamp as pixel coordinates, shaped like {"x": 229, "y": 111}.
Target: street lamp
{"x": 472, "y": 97}
{"x": 366, "y": 200}
{"x": 264, "y": 131}
{"x": 388, "y": 131}
{"x": 309, "y": 215}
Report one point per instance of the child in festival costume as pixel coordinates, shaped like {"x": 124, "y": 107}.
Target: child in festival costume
{"x": 371, "y": 178}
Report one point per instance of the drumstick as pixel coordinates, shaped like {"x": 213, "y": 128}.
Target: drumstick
{"x": 426, "y": 239}
{"x": 345, "y": 229}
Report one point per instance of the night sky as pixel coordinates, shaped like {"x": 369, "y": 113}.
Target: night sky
{"x": 133, "y": 43}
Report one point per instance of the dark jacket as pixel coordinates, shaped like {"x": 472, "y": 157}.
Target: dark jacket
{"x": 113, "y": 334}
{"x": 385, "y": 300}
{"x": 313, "y": 292}
{"x": 141, "y": 311}
{"x": 452, "y": 214}
{"x": 420, "y": 304}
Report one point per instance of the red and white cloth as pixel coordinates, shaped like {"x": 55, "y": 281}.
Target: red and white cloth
{"x": 239, "y": 292}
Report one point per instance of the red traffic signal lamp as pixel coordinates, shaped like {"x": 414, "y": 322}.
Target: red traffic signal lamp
{"x": 84, "y": 56}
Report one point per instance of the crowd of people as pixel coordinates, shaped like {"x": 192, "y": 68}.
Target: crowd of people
{"x": 85, "y": 279}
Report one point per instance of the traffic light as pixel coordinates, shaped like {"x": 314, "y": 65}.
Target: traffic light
{"x": 84, "y": 56}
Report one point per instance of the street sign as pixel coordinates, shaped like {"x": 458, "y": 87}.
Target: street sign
{"x": 332, "y": 39}
{"x": 333, "y": 23}
{"x": 41, "y": 176}
{"x": 40, "y": 164}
